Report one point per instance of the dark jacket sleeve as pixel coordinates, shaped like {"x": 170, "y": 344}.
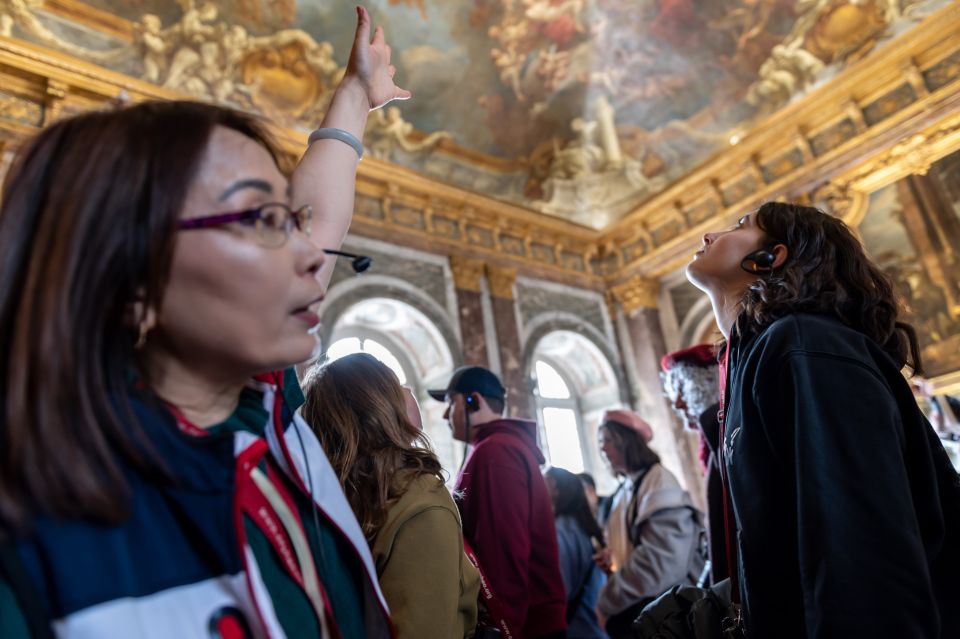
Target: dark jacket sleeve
{"x": 495, "y": 508}
{"x": 835, "y": 422}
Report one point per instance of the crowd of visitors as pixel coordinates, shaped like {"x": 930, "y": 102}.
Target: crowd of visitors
{"x": 163, "y": 472}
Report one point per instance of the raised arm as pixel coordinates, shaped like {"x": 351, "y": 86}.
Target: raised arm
{"x": 326, "y": 175}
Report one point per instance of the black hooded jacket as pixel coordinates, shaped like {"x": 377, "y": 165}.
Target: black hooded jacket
{"x": 846, "y": 505}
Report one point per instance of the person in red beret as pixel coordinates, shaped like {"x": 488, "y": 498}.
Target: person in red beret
{"x": 654, "y": 532}
{"x": 691, "y": 383}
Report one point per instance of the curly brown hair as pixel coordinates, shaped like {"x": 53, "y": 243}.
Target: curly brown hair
{"x": 827, "y": 272}
{"x": 356, "y": 407}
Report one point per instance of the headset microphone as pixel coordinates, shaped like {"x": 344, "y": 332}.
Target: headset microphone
{"x": 758, "y": 262}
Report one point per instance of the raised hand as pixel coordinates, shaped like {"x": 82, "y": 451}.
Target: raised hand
{"x": 370, "y": 64}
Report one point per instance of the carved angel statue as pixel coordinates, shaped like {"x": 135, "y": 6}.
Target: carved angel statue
{"x": 580, "y": 157}
{"x": 149, "y": 35}
{"x": 387, "y": 129}
{"x": 789, "y": 69}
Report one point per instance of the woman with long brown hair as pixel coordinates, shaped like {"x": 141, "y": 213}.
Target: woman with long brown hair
{"x": 395, "y": 486}
{"x": 843, "y": 510}
{"x": 158, "y": 283}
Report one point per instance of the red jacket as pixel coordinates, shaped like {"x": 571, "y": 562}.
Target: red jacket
{"x": 508, "y": 519}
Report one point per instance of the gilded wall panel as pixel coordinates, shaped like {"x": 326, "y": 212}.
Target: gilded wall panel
{"x": 781, "y": 165}
{"x": 512, "y": 245}
{"x": 888, "y": 104}
{"x": 833, "y": 136}
{"x": 943, "y": 73}
{"x": 446, "y": 227}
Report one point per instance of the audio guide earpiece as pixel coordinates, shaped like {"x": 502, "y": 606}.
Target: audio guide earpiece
{"x": 472, "y": 404}
{"x": 758, "y": 261}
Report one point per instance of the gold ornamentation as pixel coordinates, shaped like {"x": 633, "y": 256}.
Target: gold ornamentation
{"x": 636, "y": 293}
{"x": 19, "y": 110}
{"x": 55, "y": 96}
{"x": 467, "y": 273}
{"x": 501, "y": 280}
{"x": 388, "y": 131}
{"x": 843, "y": 201}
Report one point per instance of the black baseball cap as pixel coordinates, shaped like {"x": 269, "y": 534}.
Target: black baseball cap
{"x": 471, "y": 379}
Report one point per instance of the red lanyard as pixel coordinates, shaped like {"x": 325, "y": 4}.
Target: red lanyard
{"x": 727, "y": 506}
{"x": 251, "y": 501}
{"x": 490, "y": 600}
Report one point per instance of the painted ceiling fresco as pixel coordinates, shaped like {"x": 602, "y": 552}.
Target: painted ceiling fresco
{"x": 578, "y": 108}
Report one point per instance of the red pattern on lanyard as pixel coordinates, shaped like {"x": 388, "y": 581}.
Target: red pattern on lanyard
{"x": 727, "y": 506}
{"x": 489, "y": 598}
{"x": 249, "y": 500}
{"x": 254, "y": 505}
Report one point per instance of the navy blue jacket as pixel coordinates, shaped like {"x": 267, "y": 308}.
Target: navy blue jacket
{"x": 847, "y": 507}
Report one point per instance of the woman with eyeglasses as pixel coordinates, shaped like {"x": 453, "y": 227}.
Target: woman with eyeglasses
{"x": 372, "y": 430}
{"x": 843, "y": 509}
{"x": 159, "y": 280}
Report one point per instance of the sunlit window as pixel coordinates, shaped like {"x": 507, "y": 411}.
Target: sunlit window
{"x": 350, "y": 345}
{"x": 563, "y": 439}
{"x": 550, "y": 383}
{"x": 558, "y": 419}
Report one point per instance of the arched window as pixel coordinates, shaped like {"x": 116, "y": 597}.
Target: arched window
{"x": 558, "y": 415}
{"x": 404, "y": 339}
{"x": 350, "y": 345}
{"x": 574, "y": 383}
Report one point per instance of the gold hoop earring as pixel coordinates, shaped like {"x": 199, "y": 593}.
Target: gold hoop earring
{"x": 142, "y": 331}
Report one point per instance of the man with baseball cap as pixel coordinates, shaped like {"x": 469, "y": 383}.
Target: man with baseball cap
{"x": 506, "y": 510}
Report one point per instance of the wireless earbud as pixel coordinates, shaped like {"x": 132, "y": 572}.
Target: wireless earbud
{"x": 472, "y": 404}
{"x": 758, "y": 261}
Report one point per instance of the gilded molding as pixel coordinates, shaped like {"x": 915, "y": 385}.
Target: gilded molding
{"x": 636, "y": 293}
{"x": 467, "y": 273}
{"x": 501, "y": 280}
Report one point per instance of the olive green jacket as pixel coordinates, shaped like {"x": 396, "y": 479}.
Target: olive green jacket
{"x": 425, "y": 576}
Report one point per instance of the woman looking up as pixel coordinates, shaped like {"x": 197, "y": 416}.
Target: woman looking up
{"x": 394, "y": 483}
{"x": 847, "y": 510}
{"x": 158, "y": 282}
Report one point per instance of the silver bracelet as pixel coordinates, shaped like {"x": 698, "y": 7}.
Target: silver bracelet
{"x": 337, "y": 134}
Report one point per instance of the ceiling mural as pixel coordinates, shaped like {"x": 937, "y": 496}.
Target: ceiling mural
{"x": 576, "y": 108}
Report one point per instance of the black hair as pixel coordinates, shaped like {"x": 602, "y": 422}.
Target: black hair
{"x": 571, "y": 500}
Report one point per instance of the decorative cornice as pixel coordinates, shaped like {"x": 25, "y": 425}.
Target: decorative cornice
{"x": 501, "y": 280}
{"x": 467, "y": 273}
{"x": 636, "y": 293}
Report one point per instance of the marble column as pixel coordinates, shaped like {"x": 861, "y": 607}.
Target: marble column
{"x": 642, "y": 343}
{"x": 467, "y": 280}
{"x": 505, "y": 319}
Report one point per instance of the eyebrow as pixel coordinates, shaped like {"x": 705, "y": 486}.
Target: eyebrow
{"x": 249, "y": 183}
